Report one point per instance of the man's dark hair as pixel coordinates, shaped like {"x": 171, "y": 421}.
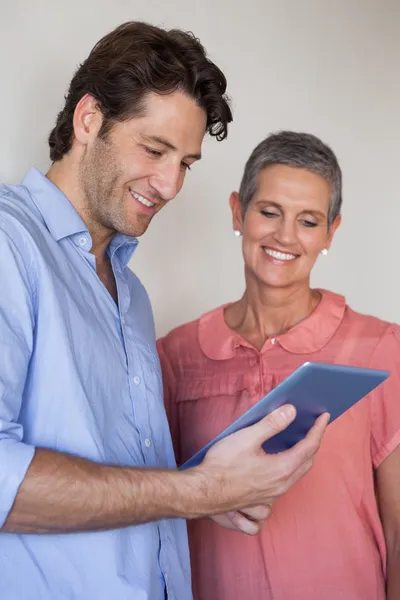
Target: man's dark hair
{"x": 136, "y": 59}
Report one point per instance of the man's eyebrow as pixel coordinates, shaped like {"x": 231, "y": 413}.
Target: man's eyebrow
{"x": 160, "y": 140}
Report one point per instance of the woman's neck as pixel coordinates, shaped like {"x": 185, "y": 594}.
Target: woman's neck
{"x": 265, "y": 312}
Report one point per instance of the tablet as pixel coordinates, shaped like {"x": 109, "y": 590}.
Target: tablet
{"x": 314, "y": 388}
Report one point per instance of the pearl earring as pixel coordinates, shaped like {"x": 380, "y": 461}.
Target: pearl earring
{"x": 324, "y": 251}
{"x": 237, "y": 233}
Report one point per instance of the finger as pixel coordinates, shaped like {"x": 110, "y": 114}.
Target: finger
{"x": 272, "y": 424}
{"x": 243, "y": 524}
{"x": 318, "y": 429}
{"x": 257, "y": 513}
{"x": 306, "y": 449}
{"x": 223, "y": 521}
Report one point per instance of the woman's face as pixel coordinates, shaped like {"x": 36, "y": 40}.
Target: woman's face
{"x": 285, "y": 226}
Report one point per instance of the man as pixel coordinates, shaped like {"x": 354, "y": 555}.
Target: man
{"x": 91, "y": 506}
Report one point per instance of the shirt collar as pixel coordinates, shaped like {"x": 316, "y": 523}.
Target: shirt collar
{"x": 124, "y": 246}
{"x": 219, "y": 342}
{"x": 61, "y": 218}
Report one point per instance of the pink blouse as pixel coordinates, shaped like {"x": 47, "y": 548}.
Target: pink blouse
{"x": 324, "y": 540}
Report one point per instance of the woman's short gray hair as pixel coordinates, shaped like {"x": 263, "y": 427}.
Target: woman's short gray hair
{"x": 299, "y": 150}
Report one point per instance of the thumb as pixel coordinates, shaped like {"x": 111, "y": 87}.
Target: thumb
{"x": 273, "y": 423}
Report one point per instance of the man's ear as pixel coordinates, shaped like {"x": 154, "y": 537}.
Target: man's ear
{"x": 87, "y": 119}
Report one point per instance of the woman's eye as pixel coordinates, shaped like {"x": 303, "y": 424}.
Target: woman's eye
{"x": 269, "y": 214}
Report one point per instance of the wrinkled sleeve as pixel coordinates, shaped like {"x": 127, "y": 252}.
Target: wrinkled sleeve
{"x": 16, "y": 341}
{"x": 169, "y": 388}
{"x": 385, "y": 413}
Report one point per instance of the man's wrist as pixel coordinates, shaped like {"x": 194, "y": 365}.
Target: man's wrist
{"x": 195, "y": 493}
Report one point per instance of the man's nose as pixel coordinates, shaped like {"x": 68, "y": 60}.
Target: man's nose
{"x": 167, "y": 181}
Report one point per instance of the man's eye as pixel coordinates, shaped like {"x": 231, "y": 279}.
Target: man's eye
{"x": 307, "y": 223}
{"x": 152, "y": 151}
{"x": 269, "y": 214}
{"x": 185, "y": 166}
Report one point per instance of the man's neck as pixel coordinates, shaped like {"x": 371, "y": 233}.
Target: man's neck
{"x": 65, "y": 175}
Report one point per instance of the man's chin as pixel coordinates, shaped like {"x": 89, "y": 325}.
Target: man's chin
{"x": 138, "y": 229}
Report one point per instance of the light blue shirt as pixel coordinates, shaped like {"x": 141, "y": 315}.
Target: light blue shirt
{"x": 78, "y": 374}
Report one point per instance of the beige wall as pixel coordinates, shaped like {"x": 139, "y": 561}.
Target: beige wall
{"x": 330, "y": 67}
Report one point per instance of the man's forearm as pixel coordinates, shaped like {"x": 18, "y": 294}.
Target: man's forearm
{"x": 64, "y": 493}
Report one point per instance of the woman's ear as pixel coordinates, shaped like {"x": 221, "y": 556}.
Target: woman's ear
{"x": 236, "y": 208}
{"x": 332, "y": 230}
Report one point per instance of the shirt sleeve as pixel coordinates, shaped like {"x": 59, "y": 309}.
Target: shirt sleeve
{"x": 16, "y": 342}
{"x": 169, "y": 388}
{"x": 385, "y": 414}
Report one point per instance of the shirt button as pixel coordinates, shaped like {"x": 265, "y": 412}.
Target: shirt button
{"x": 147, "y": 442}
{"x": 136, "y": 380}
{"x": 82, "y": 241}
{"x": 166, "y": 577}
{"x": 273, "y": 340}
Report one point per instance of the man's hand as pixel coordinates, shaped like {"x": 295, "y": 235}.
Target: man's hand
{"x": 238, "y": 473}
{"x": 247, "y": 520}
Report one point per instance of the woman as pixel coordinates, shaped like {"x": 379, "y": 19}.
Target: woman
{"x": 336, "y": 533}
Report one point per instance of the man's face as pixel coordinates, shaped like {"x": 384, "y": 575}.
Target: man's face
{"x": 140, "y": 166}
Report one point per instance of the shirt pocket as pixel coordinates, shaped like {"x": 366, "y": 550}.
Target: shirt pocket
{"x": 206, "y": 407}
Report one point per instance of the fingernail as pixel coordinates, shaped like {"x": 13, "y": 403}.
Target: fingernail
{"x": 251, "y": 528}
{"x": 286, "y": 413}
